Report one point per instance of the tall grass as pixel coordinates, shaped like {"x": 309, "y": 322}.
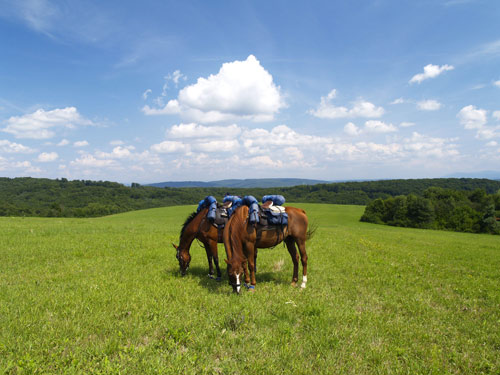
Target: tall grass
{"x": 104, "y": 296}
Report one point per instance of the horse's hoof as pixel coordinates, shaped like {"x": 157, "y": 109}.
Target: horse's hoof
{"x": 303, "y": 286}
{"x": 218, "y": 278}
{"x": 294, "y": 284}
{"x": 210, "y": 276}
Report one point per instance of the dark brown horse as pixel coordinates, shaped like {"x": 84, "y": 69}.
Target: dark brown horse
{"x": 242, "y": 239}
{"x": 199, "y": 227}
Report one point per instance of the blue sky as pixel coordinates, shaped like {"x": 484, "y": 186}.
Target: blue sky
{"x": 153, "y": 91}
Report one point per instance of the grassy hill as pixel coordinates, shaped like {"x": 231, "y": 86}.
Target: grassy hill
{"x": 104, "y": 295}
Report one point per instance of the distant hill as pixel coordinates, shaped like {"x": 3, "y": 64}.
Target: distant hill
{"x": 491, "y": 175}
{"x": 246, "y": 183}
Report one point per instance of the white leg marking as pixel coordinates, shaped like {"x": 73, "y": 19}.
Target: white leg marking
{"x": 304, "y": 281}
{"x": 238, "y": 286}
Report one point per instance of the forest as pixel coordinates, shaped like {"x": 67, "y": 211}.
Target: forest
{"x": 437, "y": 208}
{"x": 26, "y": 196}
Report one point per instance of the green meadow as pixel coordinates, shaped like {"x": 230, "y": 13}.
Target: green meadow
{"x": 104, "y": 296}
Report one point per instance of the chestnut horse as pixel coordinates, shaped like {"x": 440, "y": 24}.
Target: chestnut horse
{"x": 199, "y": 227}
{"x": 241, "y": 243}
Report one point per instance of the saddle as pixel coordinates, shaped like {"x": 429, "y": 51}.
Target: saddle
{"x": 221, "y": 219}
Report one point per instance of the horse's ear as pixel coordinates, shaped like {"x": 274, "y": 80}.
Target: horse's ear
{"x": 225, "y": 260}
{"x": 174, "y": 245}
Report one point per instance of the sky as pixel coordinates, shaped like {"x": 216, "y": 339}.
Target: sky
{"x": 156, "y": 91}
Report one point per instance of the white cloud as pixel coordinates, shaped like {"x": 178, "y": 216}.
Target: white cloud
{"x": 116, "y": 142}
{"x": 376, "y": 126}
{"x": 240, "y": 90}
{"x": 175, "y": 77}
{"x": 497, "y": 83}
{"x": 40, "y": 124}
{"x": 360, "y": 108}
{"x": 146, "y": 93}
{"x": 496, "y": 115}
{"x": 90, "y": 161}
{"x": 492, "y": 144}
{"x": 12, "y": 147}
{"x": 167, "y": 147}
{"x": 26, "y": 166}
{"x": 193, "y": 130}
{"x": 430, "y": 71}
{"x": 429, "y": 105}
{"x": 218, "y": 146}
{"x": 64, "y": 142}
{"x": 352, "y": 129}
{"x": 398, "y": 101}
{"x": 472, "y": 118}
{"x": 80, "y": 143}
{"x": 118, "y": 152}
{"x": 46, "y": 157}
{"x": 171, "y": 108}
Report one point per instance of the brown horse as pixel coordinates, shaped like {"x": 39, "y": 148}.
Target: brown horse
{"x": 241, "y": 240}
{"x": 199, "y": 227}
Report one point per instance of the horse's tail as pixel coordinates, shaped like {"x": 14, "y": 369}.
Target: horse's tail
{"x": 311, "y": 230}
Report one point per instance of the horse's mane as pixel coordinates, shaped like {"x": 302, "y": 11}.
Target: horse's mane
{"x": 189, "y": 219}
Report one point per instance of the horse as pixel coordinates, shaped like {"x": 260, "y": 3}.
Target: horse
{"x": 241, "y": 241}
{"x": 199, "y": 227}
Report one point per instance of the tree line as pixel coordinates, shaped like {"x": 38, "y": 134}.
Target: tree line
{"x": 28, "y": 196}
{"x": 438, "y": 208}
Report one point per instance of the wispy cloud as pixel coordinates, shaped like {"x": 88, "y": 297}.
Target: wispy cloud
{"x": 430, "y": 71}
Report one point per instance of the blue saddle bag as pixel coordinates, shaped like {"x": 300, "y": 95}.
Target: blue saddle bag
{"x": 208, "y": 202}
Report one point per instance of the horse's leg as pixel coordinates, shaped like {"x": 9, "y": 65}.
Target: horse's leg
{"x": 252, "y": 263}
{"x": 215, "y": 256}
{"x": 290, "y": 244}
{"x": 301, "y": 243}
{"x": 255, "y": 260}
{"x": 209, "y": 258}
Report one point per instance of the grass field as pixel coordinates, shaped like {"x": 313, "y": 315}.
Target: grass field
{"x": 104, "y": 296}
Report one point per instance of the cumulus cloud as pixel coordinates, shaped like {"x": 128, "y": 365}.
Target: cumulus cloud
{"x": 80, "y": 143}
{"x": 417, "y": 148}
{"x": 430, "y": 71}
{"x": 46, "y": 157}
{"x": 497, "y": 83}
{"x": 64, "y": 142}
{"x": 93, "y": 162}
{"x": 41, "y": 124}
{"x": 376, "y": 126}
{"x": 240, "y": 90}
{"x": 360, "y": 108}
{"x": 13, "y": 147}
{"x": 371, "y": 126}
{"x": 472, "y": 117}
{"x": 428, "y": 105}
{"x": 496, "y": 115}
{"x": 193, "y": 130}
{"x": 168, "y": 147}
{"x": 352, "y": 129}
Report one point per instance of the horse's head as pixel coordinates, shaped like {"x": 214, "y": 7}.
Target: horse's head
{"x": 235, "y": 274}
{"x": 184, "y": 258}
